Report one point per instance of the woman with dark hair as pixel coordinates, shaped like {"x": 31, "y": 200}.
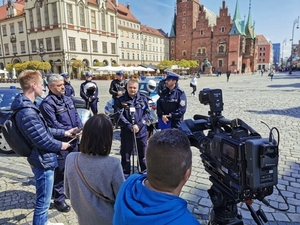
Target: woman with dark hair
{"x": 92, "y": 177}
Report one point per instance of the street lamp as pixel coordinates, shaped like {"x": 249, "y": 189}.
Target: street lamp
{"x": 283, "y": 43}
{"x": 41, "y": 52}
{"x": 296, "y": 21}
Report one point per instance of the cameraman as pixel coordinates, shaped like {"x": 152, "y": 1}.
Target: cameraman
{"x": 171, "y": 105}
{"x": 153, "y": 198}
{"x": 89, "y": 92}
{"x": 132, "y": 111}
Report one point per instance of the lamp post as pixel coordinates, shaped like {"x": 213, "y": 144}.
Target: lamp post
{"x": 41, "y": 52}
{"x": 283, "y": 43}
{"x": 296, "y": 21}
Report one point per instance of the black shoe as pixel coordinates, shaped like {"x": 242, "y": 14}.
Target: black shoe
{"x": 62, "y": 207}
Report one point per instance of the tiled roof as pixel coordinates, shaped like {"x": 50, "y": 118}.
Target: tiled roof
{"x": 124, "y": 12}
{"x": 261, "y": 40}
{"x": 3, "y": 14}
{"x": 150, "y": 30}
{"x": 211, "y": 16}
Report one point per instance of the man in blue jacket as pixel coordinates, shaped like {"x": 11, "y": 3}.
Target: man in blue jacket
{"x": 132, "y": 110}
{"x": 153, "y": 198}
{"x": 89, "y": 92}
{"x": 33, "y": 127}
{"x": 69, "y": 90}
{"x": 60, "y": 113}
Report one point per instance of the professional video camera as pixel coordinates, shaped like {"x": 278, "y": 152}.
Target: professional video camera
{"x": 242, "y": 165}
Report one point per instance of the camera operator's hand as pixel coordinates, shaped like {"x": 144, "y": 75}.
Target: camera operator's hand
{"x": 165, "y": 118}
{"x": 69, "y": 133}
{"x": 65, "y": 145}
{"x": 90, "y": 99}
{"x": 135, "y": 128}
{"x": 120, "y": 93}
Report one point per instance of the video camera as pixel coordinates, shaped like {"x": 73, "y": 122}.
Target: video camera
{"x": 242, "y": 165}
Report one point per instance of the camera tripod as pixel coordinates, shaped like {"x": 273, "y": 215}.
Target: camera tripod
{"x": 225, "y": 210}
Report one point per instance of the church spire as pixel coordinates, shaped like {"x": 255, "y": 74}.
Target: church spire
{"x": 249, "y": 27}
{"x": 238, "y": 26}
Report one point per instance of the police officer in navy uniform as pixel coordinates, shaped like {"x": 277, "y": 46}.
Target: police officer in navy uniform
{"x": 171, "y": 105}
{"x": 162, "y": 84}
{"x": 60, "y": 113}
{"x": 69, "y": 90}
{"x": 132, "y": 110}
{"x": 89, "y": 92}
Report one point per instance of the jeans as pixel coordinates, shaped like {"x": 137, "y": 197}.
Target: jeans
{"x": 43, "y": 184}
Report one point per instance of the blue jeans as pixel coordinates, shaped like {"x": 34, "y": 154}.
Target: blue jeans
{"x": 43, "y": 183}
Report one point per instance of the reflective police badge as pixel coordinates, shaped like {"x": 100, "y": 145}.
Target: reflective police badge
{"x": 182, "y": 103}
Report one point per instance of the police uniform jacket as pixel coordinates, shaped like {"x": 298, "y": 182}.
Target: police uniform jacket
{"x": 172, "y": 103}
{"x": 161, "y": 86}
{"x": 84, "y": 95}
{"x": 69, "y": 90}
{"x": 60, "y": 112}
{"x": 116, "y": 86}
{"x": 140, "y": 103}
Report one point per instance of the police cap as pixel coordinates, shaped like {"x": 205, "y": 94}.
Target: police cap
{"x": 172, "y": 76}
{"x": 88, "y": 74}
{"x": 120, "y": 73}
{"x": 65, "y": 75}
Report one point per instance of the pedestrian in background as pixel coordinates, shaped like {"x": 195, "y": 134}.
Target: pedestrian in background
{"x": 133, "y": 117}
{"x": 193, "y": 84}
{"x": 153, "y": 198}
{"x": 228, "y": 74}
{"x": 43, "y": 158}
{"x": 60, "y": 113}
{"x": 171, "y": 105}
{"x": 102, "y": 173}
{"x": 69, "y": 90}
{"x": 272, "y": 74}
{"x": 89, "y": 92}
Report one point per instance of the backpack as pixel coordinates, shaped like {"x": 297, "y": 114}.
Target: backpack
{"x": 14, "y": 137}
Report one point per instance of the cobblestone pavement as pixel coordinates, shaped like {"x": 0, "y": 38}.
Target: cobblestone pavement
{"x": 251, "y": 98}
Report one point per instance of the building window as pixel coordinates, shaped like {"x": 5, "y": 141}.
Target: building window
{"x": 127, "y": 44}
{"x": 137, "y": 46}
{"x": 223, "y": 29}
{"x": 84, "y": 45}
{"x": 12, "y": 28}
{"x": 133, "y": 45}
{"x": 122, "y": 55}
{"x": 46, "y": 15}
{"x": 33, "y": 45}
{"x": 69, "y": 14}
{"x": 22, "y": 46}
{"x": 95, "y": 46}
{"x": 6, "y": 49}
{"x": 31, "y": 19}
{"x": 138, "y": 56}
{"x": 184, "y": 53}
{"x": 113, "y": 48}
{"x": 104, "y": 47}
{"x": 48, "y": 44}
{"x": 201, "y": 32}
{"x": 93, "y": 19}
{"x": 72, "y": 43}
{"x": 0, "y": 51}
{"x": 220, "y": 63}
{"x": 128, "y": 56}
{"x": 14, "y": 48}
{"x": 38, "y": 16}
{"x": 41, "y": 42}
{"x": 137, "y": 36}
{"x": 133, "y": 56}
{"x": 56, "y": 43}
{"x": 103, "y": 27}
{"x": 4, "y": 32}
{"x": 172, "y": 42}
{"x": 20, "y": 24}
{"x": 221, "y": 49}
{"x": 54, "y": 14}
{"x": 81, "y": 15}
{"x": 233, "y": 63}
{"x": 112, "y": 24}
{"x": 122, "y": 44}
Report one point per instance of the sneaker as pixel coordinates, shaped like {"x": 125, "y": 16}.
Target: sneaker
{"x": 49, "y": 223}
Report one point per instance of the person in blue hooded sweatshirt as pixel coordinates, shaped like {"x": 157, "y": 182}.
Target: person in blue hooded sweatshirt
{"x": 153, "y": 198}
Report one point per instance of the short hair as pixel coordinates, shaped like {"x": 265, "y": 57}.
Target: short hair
{"x": 97, "y": 136}
{"x": 52, "y": 78}
{"x": 168, "y": 157}
{"x": 132, "y": 80}
{"x": 27, "y": 77}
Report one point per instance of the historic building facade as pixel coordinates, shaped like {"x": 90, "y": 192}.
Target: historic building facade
{"x": 265, "y": 53}
{"x": 199, "y": 34}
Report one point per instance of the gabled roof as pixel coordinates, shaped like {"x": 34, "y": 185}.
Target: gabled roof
{"x": 124, "y": 12}
{"x": 19, "y": 6}
{"x": 238, "y": 25}
{"x": 211, "y": 17}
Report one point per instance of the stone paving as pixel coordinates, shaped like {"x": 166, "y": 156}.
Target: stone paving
{"x": 252, "y": 98}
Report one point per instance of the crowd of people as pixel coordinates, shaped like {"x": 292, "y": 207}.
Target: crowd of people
{"x": 101, "y": 189}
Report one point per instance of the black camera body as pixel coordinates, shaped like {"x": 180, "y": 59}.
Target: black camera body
{"x": 240, "y": 162}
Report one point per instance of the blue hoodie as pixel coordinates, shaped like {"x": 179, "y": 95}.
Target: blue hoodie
{"x": 136, "y": 204}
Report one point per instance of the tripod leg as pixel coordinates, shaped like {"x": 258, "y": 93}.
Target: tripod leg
{"x": 137, "y": 153}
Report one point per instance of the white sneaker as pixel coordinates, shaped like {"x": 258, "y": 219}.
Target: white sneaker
{"x": 49, "y": 223}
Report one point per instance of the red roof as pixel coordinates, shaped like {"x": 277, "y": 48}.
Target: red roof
{"x": 150, "y": 30}
{"x": 124, "y": 12}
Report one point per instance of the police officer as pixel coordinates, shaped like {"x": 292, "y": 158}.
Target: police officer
{"x": 69, "y": 90}
{"x": 171, "y": 105}
{"x": 89, "y": 92}
{"x": 132, "y": 110}
{"x": 60, "y": 113}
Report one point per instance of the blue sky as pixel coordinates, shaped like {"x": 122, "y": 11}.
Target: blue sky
{"x": 273, "y": 18}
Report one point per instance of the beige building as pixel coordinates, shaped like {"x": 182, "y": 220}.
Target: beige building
{"x": 91, "y": 31}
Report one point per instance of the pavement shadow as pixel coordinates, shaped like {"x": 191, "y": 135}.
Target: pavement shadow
{"x": 295, "y": 85}
{"x": 13, "y": 220}
{"x": 16, "y": 199}
{"x": 286, "y": 112}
